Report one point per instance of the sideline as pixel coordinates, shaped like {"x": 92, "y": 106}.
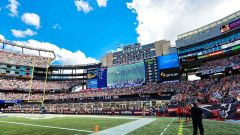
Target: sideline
{"x": 25, "y": 124}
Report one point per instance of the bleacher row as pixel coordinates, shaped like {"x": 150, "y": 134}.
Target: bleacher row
{"x": 218, "y": 90}
{"x": 13, "y": 58}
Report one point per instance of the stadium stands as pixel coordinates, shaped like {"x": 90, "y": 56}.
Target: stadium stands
{"x": 37, "y": 85}
{"x": 219, "y": 90}
{"x": 23, "y": 59}
{"x": 210, "y": 89}
{"x": 221, "y": 63}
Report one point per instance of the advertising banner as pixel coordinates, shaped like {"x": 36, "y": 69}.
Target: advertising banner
{"x": 170, "y": 74}
{"x": 10, "y": 101}
{"x": 102, "y": 78}
{"x": 233, "y": 25}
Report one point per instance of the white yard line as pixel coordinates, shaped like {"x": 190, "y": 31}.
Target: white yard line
{"x": 165, "y": 129}
{"x": 126, "y": 128}
{"x": 62, "y": 115}
{"x": 34, "y": 125}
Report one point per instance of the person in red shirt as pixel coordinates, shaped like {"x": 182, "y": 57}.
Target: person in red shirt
{"x": 180, "y": 113}
{"x": 187, "y": 112}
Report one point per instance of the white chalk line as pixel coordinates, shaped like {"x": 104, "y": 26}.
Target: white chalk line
{"x": 62, "y": 115}
{"x": 34, "y": 125}
{"x": 165, "y": 129}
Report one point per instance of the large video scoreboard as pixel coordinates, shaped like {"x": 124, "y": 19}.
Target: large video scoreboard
{"x": 168, "y": 67}
{"x": 126, "y": 75}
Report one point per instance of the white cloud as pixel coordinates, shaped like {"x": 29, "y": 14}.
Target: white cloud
{"x": 165, "y": 19}
{"x": 63, "y": 56}
{"x": 83, "y": 6}
{"x": 31, "y": 19}
{"x": 12, "y": 6}
{"x": 102, "y": 3}
{"x": 22, "y": 34}
{"x": 119, "y": 49}
{"x": 56, "y": 26}
{"x": 2, "y": 37}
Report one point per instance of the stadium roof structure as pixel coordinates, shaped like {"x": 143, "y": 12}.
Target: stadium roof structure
{"x": 222, "y": 21}
{"x": 82, "y": 66}
{"x": 26, "y": 46}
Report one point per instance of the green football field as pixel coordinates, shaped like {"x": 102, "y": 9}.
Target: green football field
{"x": 35, "y": 124}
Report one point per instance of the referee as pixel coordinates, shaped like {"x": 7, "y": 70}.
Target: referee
{"x": 196, "y": 114}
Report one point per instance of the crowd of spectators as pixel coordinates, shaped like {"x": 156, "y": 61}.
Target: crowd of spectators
{"x": 24, "y": 59}
{"x": 213, "y": 90}
{"x": 36, "y": 85}
{"x": 221, "y": 63}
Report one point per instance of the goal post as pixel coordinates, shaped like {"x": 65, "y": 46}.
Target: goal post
{"x": 44, "y": 86}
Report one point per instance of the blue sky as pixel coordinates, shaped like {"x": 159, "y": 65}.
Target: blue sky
{"x": 82, "y": 31}
{"x": 94, "y": 33}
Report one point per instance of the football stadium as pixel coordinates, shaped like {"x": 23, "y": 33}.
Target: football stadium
{"x": 141, "y": 89}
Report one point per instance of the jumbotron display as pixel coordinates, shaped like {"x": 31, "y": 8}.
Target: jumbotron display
{"x": 168, "y": 67}
{"x": 126, "y": 75}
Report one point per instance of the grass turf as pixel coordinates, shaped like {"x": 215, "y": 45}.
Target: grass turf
{"x": 88, "y": 123}
{"x": 81, "y": 123}
{"x": 211, "y": 128}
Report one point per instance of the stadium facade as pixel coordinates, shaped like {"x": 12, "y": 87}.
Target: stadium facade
{"x": 216, "y": 40}
{"x": 137, "y": 77}
{"x": 136, "y": 52}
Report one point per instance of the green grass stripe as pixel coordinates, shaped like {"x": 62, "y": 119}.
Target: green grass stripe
{"x": 180, "y": 129}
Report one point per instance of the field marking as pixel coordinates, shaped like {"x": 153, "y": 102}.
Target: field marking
{"x": 180, "y": 129}
{"x": 62, "y": 115}
{"x": 165, "y": 129}
{"x": 38, "y": 117}
{"x": 126, "y": 128}
{"x": 34, "y": 125}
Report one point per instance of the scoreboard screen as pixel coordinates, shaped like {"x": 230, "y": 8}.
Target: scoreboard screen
{"x": 126, "y": 75}
{"x": 168, "y": 68}
{"x": 151, "y": 68}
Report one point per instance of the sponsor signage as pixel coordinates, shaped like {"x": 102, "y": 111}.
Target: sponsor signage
{"x": 170, "y": 74}
{"x": 189, "y": 59}
{"x": 168, "y": 61}
{"x": 102, "y": 78}
{"x": 211, "y": 54}
{"x": 236, "y": 67}
{"x": 213, "y": 71}
{"x": 233, "y": 25}
{"x": 10, "y": 101}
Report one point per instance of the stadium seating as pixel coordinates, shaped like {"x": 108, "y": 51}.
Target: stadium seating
{"x": 218, "y": 90}
{"x": 36, "y": 85}
{"x": 221, "y": 63}
{"x": 23, "y": 59}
